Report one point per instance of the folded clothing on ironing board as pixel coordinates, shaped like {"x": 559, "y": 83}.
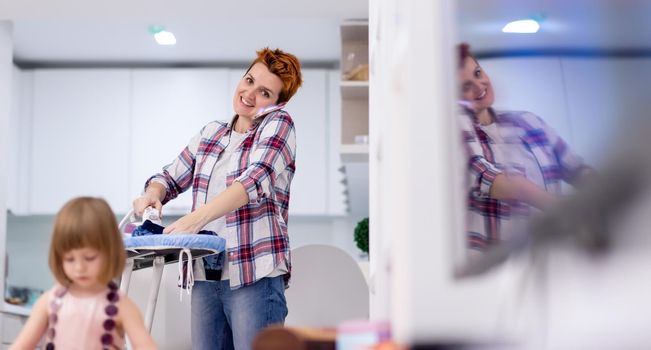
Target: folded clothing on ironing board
{"x": 212, "y": 264}
{"x": 150, "y": 228}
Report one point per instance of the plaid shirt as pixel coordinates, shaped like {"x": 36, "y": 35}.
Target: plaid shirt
{"x": 265, "y": 167}
{"x": 556, "y": 163}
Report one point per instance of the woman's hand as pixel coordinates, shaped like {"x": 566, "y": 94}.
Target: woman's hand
{"x": 189, "y": 224}
{"x": 152, "y": 197}
{"x": 232, "y": 198}
{"x": 144, "y": 201}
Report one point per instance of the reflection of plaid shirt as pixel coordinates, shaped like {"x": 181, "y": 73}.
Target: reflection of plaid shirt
{"x": 555, "y": 161}
{"x": 265, "y": 167}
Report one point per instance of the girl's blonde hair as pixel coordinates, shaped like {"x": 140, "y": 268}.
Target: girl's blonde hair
{"x": 87, "y": 222}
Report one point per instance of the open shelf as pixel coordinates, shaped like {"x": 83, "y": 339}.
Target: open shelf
{"x": 354, "y": 152}
{"x": 354, "y": 93}
{"x": 354, "y": 89}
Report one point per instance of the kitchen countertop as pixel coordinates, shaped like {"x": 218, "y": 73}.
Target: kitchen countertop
{"x": 16, "y": 309}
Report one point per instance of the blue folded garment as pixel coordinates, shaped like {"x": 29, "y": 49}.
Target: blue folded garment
{"x": 147, "y": 228}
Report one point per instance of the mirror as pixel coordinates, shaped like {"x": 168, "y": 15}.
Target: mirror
{"x": 542, "y": 112}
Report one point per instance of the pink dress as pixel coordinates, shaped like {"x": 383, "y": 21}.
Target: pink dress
{"x": 80, "y": 322}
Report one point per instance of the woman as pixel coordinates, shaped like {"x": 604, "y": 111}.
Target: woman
{"x": 516, "y": 161}
{"x": 240, "y": 173}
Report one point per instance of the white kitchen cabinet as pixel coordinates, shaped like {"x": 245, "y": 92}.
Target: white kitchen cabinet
{"x": 103, "y": 132}
{"x": 13, "y": 142}
{"x": 19, "y": 142}
{"x": 79, "y": 138}
{"x": 12, "y": 324}
{"x": 308, "y": 109}
{"x": 234, "y": 77}
{"x": 168, "y": 108}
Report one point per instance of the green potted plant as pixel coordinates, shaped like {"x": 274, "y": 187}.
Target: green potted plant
{"x": 361, "y": 235}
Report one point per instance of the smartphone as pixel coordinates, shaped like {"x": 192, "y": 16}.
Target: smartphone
{"x": 269, "y": 109}
{"x": 466, "y": 104}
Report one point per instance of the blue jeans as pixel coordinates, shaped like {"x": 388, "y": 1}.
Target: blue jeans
{"x": 225, "y": 319}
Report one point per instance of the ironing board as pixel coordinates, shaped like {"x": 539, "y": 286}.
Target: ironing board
{"x": 158, "y": 250}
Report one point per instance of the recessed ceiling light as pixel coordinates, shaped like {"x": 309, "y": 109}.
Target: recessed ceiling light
{"x": 165, "y": 38}
{"x": 525, "y": 26}
{"x": 162, "y": 36}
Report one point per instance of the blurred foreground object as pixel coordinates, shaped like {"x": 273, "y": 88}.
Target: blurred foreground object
{"x": 294, "y": 338}
{"x": 589, "y": 257}
{"x": 361, "y": 334}
{"x": 388, "y": 345}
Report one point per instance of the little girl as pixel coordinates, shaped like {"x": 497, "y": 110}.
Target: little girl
{"x": 85, "y": 310}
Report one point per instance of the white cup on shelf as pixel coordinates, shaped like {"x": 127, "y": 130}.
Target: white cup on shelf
{"x": 360, "y": 139}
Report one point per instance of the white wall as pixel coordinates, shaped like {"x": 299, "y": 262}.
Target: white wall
{"x": 519, "y": 84}
{"x": 606, "y": 97}
{"x": 588, "y": 100}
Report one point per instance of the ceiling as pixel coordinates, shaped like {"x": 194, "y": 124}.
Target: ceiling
{"x": 198, "y": 41}
{"x": 565, "y": 24}
{"x": 214, "y": 32}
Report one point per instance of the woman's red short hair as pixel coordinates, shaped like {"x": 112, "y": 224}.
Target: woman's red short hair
{"x": 463, "y": 52}
{"x": 284, "y": 65}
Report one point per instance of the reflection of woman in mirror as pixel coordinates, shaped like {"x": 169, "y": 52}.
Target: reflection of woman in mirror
{"x": 516, "y": 161}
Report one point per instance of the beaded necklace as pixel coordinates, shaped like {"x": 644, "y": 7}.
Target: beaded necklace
{"x": 109, "y": 324}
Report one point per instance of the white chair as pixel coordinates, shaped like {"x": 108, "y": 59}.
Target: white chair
{"x": 327, "y": 287}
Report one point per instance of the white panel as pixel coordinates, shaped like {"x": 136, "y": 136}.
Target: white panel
{"x": 169, "y": 107}
{"x": 80, "y": 137}
{"x": 534, "y": 85}
{"x": 308, "y": 110}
